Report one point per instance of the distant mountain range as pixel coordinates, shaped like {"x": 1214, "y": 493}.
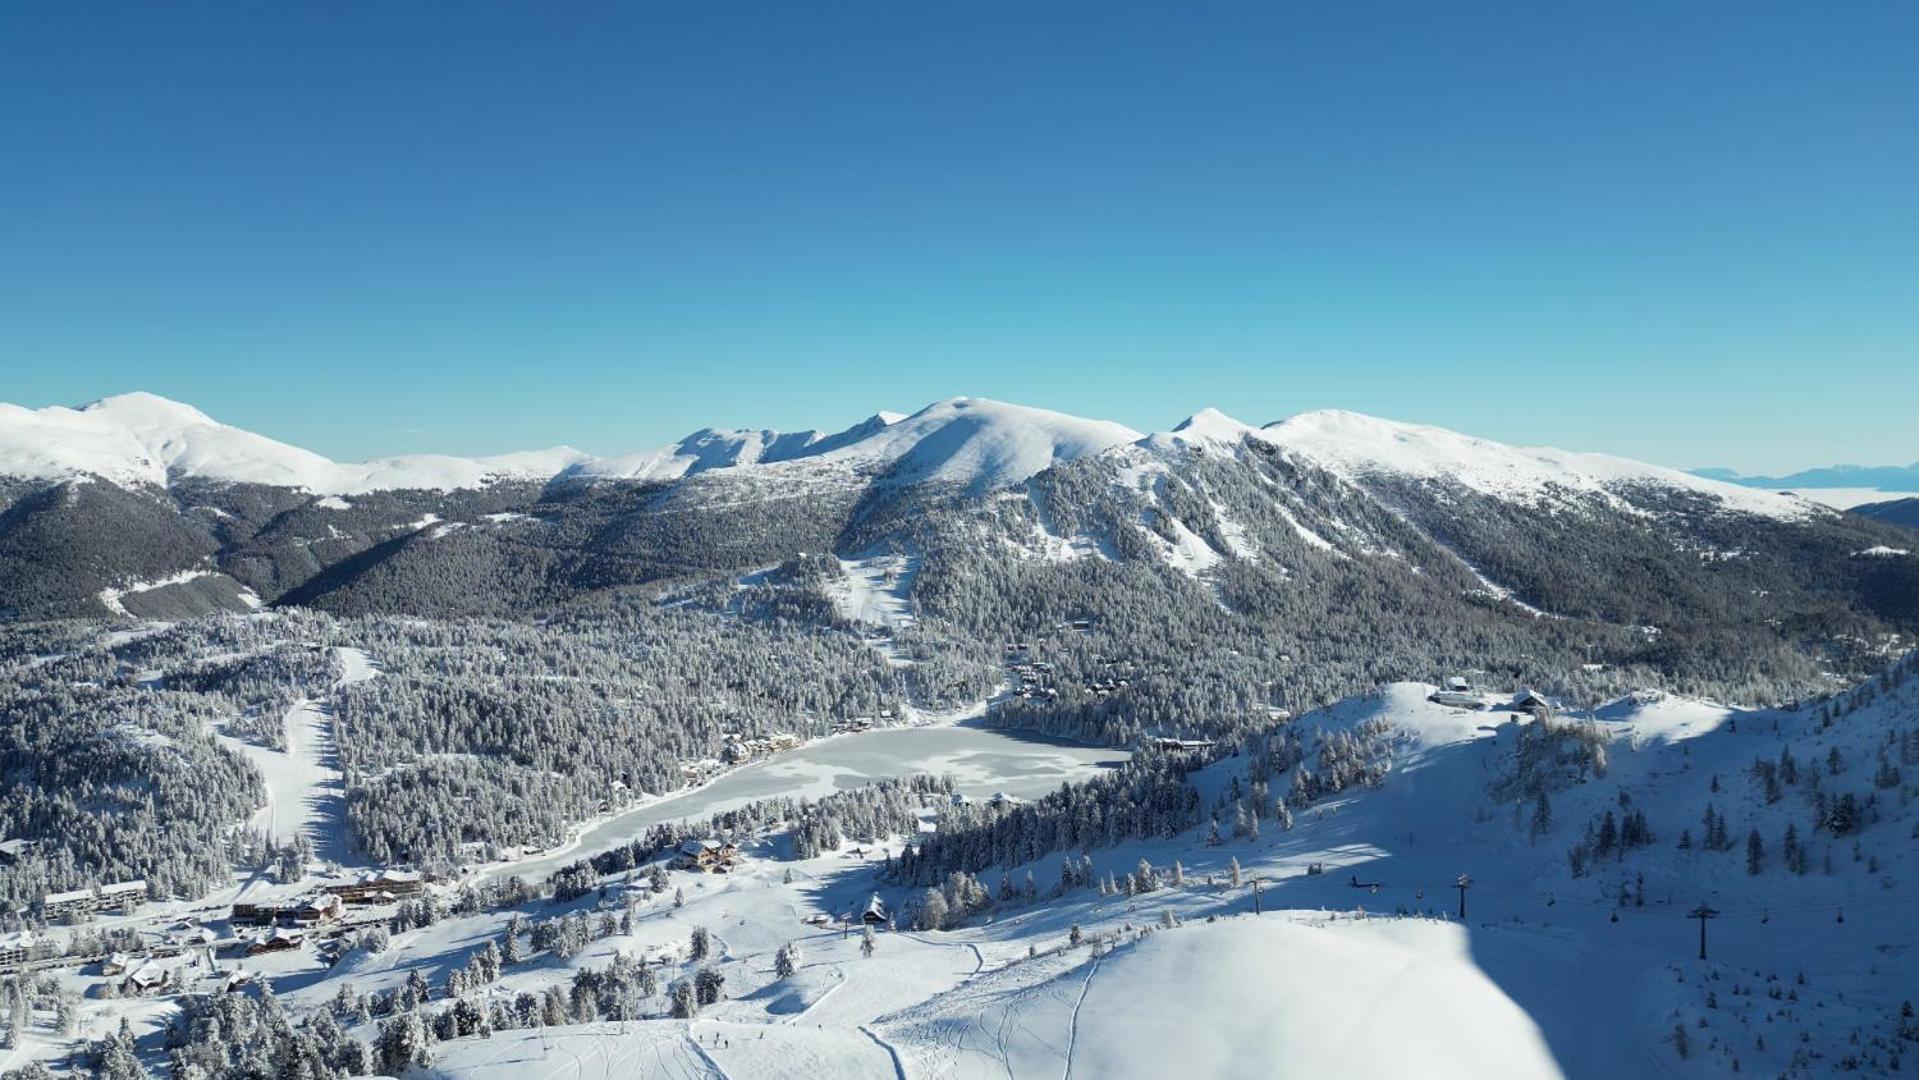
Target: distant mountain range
{"x": 1305, "y": 535}
{"x": 1882, "y": 477}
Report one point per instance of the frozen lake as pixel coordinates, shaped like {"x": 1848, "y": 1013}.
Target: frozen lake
{"x": 981, "y": 760}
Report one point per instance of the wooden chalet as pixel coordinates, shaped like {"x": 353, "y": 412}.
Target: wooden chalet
{"x": 708, "y": 856}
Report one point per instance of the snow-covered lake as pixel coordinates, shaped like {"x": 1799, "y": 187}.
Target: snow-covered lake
{"x": 982, "y": 760}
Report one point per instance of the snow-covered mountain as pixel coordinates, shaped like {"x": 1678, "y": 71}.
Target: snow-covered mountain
{"x": 186, "y": 495}
{"x": 971, "y": 443}
{"x": 1359, "y": 447}
{"x": 974, "y": 444}
{"x": 141, "y": 438}
{"x": 145, "y": 439}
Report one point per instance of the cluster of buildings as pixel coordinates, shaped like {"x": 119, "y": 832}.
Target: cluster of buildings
{"x": 861, "y": 723}
{"x": 1034, "y": 678}
{"x": 118, "y": 898}
{"x": 740, "y": 749}
{"x": 292, "y": 912}
{"x": 1459, "y": 692}
{"x": 378, "y": 887}
{"x": 300, "y": 910}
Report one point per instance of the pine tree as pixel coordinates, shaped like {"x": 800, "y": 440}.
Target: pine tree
{"x": 867, "y": 942}
{"x": 699, "y": 945}
{"x": 685, "y": 1004}
{"x": 1755, "y": 853}
{"x": 786, "y": 961}
{"x": 1542, "y": 815}
{"x": 1233, "y": 868}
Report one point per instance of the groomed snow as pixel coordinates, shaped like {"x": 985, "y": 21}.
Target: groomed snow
{"x": 1282, "y": 995}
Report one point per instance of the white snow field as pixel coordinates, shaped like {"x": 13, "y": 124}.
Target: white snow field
{"x": 1275, "y": 995}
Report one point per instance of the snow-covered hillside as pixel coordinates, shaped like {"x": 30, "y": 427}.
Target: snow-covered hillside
{"x": 141, "y": 438}
{"x": 974, "y": 444}
{"x": 1358, "y": 446}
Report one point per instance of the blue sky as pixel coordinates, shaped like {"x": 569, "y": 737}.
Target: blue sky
{"x": 1685, "y": 232}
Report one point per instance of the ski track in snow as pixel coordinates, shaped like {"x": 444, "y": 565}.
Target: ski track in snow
{"x": 305, "y": 789}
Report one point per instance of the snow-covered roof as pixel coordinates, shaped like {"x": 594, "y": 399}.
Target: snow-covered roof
{"x": 120, "y": 887}
{"x": 70, "y": 897}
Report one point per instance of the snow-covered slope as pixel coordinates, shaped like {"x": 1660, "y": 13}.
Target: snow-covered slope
{"x": 972, "y": 443}
{"x": 1207, "y": 429}
{"x": 980, "y": 444}
{"x": 142, "y": 438}
{"x": 1359, "y": 446}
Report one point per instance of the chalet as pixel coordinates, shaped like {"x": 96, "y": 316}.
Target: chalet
{"x": 12, "y": 851}
{"x": 1182, "y": 746}
{"x": 216, "y": 981}
{"x": 143, "y": 980}
{"x": 198, "y": 937}
{"x": 15, "y": 948}
{"x": 279, "y": 939}
{"x": 117, "y": 963}
{"x": 875, "y": 912}
{"x": 377, "y": 887}
{"x": 708, "y": 856}
{"x": 1532, "y": 701}
{"x": 1458, "y": 693}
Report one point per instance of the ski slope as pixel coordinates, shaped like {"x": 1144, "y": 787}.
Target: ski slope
{"x": 305, "y": 790}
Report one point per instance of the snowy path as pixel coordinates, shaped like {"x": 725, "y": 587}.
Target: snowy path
{"x": 305, "y": 789}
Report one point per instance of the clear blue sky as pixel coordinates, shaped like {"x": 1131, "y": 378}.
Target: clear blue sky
{"x": 1685, "y": 232}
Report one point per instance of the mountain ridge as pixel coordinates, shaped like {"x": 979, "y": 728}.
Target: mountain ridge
{"x": 976, "y": 444}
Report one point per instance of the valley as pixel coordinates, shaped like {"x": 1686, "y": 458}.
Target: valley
{"x": 978, "y": 741}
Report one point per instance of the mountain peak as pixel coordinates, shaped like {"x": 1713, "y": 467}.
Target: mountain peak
{"x": 1207, "y": 428}
{"x": 148, "y": 405}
